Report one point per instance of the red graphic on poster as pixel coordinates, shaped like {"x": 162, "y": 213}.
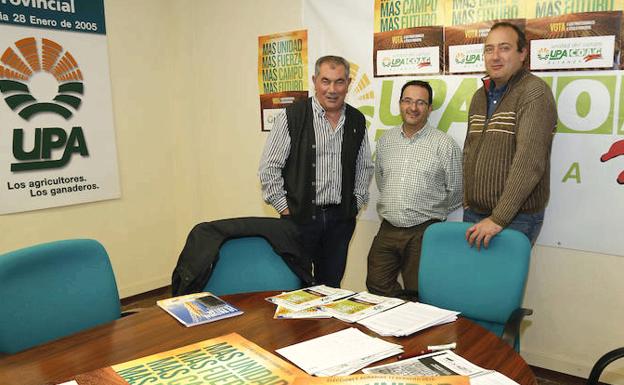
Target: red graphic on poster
{"x": 616, "y": 149}
{"x": 594, "y": 56}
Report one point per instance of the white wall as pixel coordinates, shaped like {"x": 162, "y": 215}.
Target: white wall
{"x": 578, "y": 299}
{"x": 186, "y": 106}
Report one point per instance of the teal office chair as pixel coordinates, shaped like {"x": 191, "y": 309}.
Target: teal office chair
{"x": 53, "y": 290}
{"x": 486, "y": 286}
{"x": 249, "y": 264}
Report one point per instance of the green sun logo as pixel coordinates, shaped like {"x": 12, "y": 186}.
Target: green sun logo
{"x": 31, "y": 69}
{"x": 361, "y": 93}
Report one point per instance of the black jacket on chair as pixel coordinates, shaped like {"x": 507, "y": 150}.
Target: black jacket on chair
{"x": 201, "y": 250}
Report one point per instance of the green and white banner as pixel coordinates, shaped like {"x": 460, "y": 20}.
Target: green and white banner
{"x": 587, "y": 174}
{"x": 57, "y": 139}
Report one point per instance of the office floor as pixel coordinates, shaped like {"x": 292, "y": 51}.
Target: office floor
{"x": 544, "y": 376}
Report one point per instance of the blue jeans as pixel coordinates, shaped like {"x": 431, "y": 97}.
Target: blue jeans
{"x": 528, "y": 224}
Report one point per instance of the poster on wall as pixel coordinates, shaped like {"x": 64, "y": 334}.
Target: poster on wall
{"x": 412, "y": 51}
{"x": 408, "y": 37}
{"x": 460, "y": 12}
{"x": 57, "y": 138}
{"x": 282, "y": 73}
{"x": 463, "y": 46}
{"x": 536, "y": 9}
{"x": 575, "y": 41}
{"x": 392, "y": 15}
{"x": 587, "y": 164}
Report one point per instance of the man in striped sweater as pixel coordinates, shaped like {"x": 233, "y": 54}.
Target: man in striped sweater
{"x": 511, "y": 123}
{"x": 316, "y": 168}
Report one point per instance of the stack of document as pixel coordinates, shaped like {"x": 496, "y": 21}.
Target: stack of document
{"x": 311, "y": 312}
{"x": 360, "y": 306}
{"x": 443, "y": 363}
{"x": 408, "y": 318}
{"x": 310, "y": 297}
{"x": 340, "y": 353}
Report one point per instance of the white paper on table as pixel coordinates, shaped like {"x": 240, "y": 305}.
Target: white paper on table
{"x": 408, "y": 318}
{"x": 312, "y": 312}
{"x": 360, "y": 306}
{"x": 349, "y": 368}
{"x": 342, "y": 348}
{"x": 441, "y": 363}
{"x": 297, "y": 300}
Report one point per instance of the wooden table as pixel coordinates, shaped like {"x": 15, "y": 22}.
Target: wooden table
{"x": 153, "y": 331}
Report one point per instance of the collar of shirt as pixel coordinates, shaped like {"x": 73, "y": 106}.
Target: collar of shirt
{"x": 418, "y": 134}
{"x": 497, "y": 93}
{"x": 320, "y": 111}
{"x": 494, "y": 96}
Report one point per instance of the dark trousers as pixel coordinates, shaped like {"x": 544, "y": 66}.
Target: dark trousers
{"x": 325, "y": 242}
{"x": 395, "y": 250}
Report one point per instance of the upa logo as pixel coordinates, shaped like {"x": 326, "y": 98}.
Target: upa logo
{"x": 556, "y": 54}
{"x": 543, "y": 53}
{"x": 468, "y": 58}
{"x": 40, "y": 77}
{"x": 28, "y": 65}
{"x": 418, "y": 61}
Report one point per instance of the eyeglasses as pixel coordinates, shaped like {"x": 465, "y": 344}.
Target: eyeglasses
{"x": 419, "y": 102}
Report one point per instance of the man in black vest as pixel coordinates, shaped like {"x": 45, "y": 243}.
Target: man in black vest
{"x": 316, "y": 168}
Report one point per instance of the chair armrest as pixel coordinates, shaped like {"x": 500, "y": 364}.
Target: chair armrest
{"x": 602, "y": 363}
{"x": 512, "y": 326}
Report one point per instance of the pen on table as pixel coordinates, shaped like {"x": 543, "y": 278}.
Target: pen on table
{"x": 430, "y": 349}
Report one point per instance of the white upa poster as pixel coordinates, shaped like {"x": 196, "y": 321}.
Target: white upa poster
{"x": 57, "y": 140}
{"x": 586, "y": 205}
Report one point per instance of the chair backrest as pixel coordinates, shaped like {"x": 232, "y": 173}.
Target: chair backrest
{"x": 249, "y": 264}
{"x": 486, "y": 285}
{"x": 54, "y": 289}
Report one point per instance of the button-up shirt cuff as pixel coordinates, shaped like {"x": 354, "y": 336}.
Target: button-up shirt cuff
{"x": 280, "y": 205}
{"x": 360, "y": 201}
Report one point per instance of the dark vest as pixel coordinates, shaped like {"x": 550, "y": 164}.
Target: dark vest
{"x": 299, "y": 171}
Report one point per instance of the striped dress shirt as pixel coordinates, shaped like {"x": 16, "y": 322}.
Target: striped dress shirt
{"x": 328, "y": 162}
{"x": 419, "y": 178}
